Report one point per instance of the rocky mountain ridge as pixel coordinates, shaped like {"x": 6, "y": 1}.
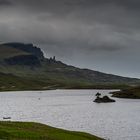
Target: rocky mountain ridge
{"x": 27, "y": 61}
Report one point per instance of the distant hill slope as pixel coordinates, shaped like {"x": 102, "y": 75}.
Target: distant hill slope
{"x": 7, "y": 52}
{"x": 9, "y": 82}
{"x": 26, "y": 61}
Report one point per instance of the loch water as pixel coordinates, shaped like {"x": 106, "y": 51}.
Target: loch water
{"x": 75, "y": 110}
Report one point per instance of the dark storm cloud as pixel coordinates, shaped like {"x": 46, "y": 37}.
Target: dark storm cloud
{"x": 5, "y": 3}
{"x": 100, "y": 30}
{"x": 91, "y": 22}
{"x": 55, "y": 4}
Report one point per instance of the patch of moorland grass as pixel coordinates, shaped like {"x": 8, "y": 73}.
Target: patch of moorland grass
{"x": 4, "y": 135}
{"x": 9, "y": 82}
{"x": 36, "y": 131}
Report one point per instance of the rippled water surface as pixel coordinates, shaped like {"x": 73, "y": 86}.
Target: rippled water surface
{"x": 75, "y": 110}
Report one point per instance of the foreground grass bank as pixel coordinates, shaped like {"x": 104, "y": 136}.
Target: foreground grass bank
{"x": 36, "y": 131}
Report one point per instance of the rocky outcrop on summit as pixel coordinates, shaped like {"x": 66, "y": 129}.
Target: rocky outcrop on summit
{"x": 29, "y": 48}
{"x": 21, "y": 54}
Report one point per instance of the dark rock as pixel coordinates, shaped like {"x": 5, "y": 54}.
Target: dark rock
{"x": 104, "y": 99}
{"x": 30, "y": 48}
{"x": 30, "y": 60}
{"x": 98, "y": 94}
{"x": 6, "y": 118}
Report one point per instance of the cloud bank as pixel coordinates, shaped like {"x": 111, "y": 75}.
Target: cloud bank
{"x": 98, "y": 34}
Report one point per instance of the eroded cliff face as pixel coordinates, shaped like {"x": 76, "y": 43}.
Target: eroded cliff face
{"x": 30, "y": 60}
{"x": 21, "y": 54}
{"x": 29, "y": 48}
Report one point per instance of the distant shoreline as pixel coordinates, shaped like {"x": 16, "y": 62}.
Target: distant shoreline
{"x": 60, "y": 89}
{"x": 130, "y": 93}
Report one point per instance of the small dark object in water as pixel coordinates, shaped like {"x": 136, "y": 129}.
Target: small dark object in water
{"x": 104, "y": 99}
{"x": 98, "y": 94}
{"x": 6, "y": 118}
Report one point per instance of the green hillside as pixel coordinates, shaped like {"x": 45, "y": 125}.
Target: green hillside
{"x": 35, "y": 131}
{"x": 9, "y": 82}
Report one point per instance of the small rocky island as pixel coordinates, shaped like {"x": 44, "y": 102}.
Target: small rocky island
{"x": 104, "y": 99}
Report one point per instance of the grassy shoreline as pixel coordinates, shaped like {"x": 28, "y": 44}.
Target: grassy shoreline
{"x": 130, "y": 93}
{"x": 9, "y": 82}
{"x": 36, "y": 131}
{"x": 41, "y": 88}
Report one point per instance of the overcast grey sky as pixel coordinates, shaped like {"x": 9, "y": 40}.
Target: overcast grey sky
{"x": 102, "y": 35}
